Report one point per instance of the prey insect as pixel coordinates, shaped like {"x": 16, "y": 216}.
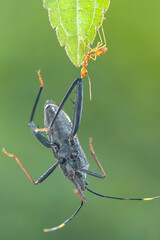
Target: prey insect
{"x": 99, "y": 50}
{"x": 63, "y": 141}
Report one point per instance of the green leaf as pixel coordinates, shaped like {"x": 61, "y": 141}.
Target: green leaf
{"x": 76, "y": 22}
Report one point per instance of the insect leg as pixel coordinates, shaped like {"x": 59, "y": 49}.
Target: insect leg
{"x": 77, "y": 112}
{"x": 78, "y": 82}
{"x": 98, "y": 163}
{"x": 42, "y": 178}
{"x": 92, "y": 173}
{"x": 31, "y": 124}
{"x": 41, "y": 138}
{"x": 111, "y": 197}
{"x": 38, "y": 96}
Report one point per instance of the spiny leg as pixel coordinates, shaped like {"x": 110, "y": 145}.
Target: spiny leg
{"x": 65, "y": 222}
{"x": 42, "y": 178}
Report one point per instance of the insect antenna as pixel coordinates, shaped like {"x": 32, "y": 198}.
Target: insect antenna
{"x": 121, "y": 198}
{"x": 65, "y": 222}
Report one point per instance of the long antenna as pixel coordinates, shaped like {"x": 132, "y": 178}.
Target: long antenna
{"x": 121, "y": 198}
{"x": 65, "y": 222}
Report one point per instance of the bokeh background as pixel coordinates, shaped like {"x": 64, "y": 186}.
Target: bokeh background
{"x": 123, "y": 118}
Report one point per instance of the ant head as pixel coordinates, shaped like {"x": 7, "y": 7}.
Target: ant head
{"x": 84, "y": 72}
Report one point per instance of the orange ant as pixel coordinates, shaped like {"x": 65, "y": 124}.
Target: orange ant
{"x": 99, "y": 50}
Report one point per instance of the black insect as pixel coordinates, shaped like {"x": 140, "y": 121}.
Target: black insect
{"x": 63, "y": 141}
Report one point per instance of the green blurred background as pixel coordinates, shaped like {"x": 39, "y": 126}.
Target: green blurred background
{"x": 123, "y": 118}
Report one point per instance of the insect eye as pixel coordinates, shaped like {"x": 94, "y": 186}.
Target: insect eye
{"x": 74, "y": 155}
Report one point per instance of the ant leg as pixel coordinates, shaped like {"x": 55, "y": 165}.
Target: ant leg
{"x": 99, "y": 44}
{"x": 89, "y": 48}
{"x": 93, "y": 57}
{"x": 101, "y": 48}
{"x": 98, "y": 163}
{"x": 42, "y": 178}
{"x": 104, "y": 38}
{"x": 31, "y": 124}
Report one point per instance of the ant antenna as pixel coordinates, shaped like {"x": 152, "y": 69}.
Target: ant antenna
{"x": 121, "y": 198}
